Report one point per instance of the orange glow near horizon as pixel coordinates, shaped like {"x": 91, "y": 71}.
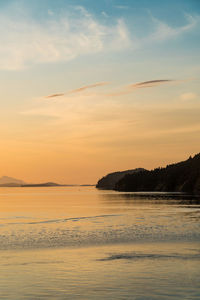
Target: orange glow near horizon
{"x": 82, "y": 146}
{"x": 84, "y": 92}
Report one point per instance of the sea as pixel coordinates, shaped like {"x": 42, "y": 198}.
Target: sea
{"x": 84, "y": 243}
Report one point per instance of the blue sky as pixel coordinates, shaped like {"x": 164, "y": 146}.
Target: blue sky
{"x": 162, "y": 29}
{"x": 111, "y": 68}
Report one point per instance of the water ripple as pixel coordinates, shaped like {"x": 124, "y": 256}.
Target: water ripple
{"x": 136, "y": 256}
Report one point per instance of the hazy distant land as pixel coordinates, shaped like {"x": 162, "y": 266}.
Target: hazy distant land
{"x": 6, "y": 181}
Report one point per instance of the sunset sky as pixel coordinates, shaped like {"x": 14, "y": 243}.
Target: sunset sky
{"x": 91, "y": 87}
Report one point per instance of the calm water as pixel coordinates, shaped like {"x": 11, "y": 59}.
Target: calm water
{"x": 82, "y": 243}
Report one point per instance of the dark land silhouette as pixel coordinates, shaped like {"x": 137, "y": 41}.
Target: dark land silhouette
{"x": 15, "y": 184}
{"x": 109, "y": 181}
{"x": 178, "y": 177}
{"x": 48, "y": 184}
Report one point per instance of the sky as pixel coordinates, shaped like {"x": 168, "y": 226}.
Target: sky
{"x": 92, "y": 87}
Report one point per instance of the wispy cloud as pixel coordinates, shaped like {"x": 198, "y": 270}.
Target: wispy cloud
{"x": 129, "y": 88}
{"x": 140, "y": 85}
{"x": 54, "y": 95}
{"x": 90, "y": 86}
{"x": 163, "y": 31}
{"x": 104, "y": 14}
{"x": 150, "y": 83}
{"x": 25, "y": 41}
{"x": 79, "y": 90}
{"x": 121, "y": 6}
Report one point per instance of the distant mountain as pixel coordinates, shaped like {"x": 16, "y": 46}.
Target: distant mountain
{"x": 9, "y": 181}
{"x": 109, "y": 181}
{"x": 180, "y": 177}
{"x": 6, "y": 181}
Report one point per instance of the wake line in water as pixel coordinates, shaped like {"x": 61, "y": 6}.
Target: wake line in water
{"x": 136, "y": 256}
{"x": 61, "y": 220}
{"x": 34, "y": 263}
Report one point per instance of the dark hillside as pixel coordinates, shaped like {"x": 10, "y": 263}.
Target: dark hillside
{"x": 180, "y": 177}
{"x": 109, "y": 181}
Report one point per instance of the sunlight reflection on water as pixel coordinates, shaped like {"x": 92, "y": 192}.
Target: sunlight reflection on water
{"x": 82, "y": 243}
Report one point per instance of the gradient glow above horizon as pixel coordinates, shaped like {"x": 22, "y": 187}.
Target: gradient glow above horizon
{"x": 91, "y": 87}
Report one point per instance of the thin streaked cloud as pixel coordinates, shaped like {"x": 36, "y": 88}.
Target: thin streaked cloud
{"x": 54, "y": 95}
{"x": 79, "y": 90}
{"x": 128, "y": 88}
{"x": 144, "y": 84}
{"x": 150, "y": 83}
{"x": 90, "y": 86}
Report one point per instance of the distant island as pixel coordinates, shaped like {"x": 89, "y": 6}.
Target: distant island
{"x": 6, "y": 181}
{"x": 48, "y": 184}
{"x": 179, "y": 177}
